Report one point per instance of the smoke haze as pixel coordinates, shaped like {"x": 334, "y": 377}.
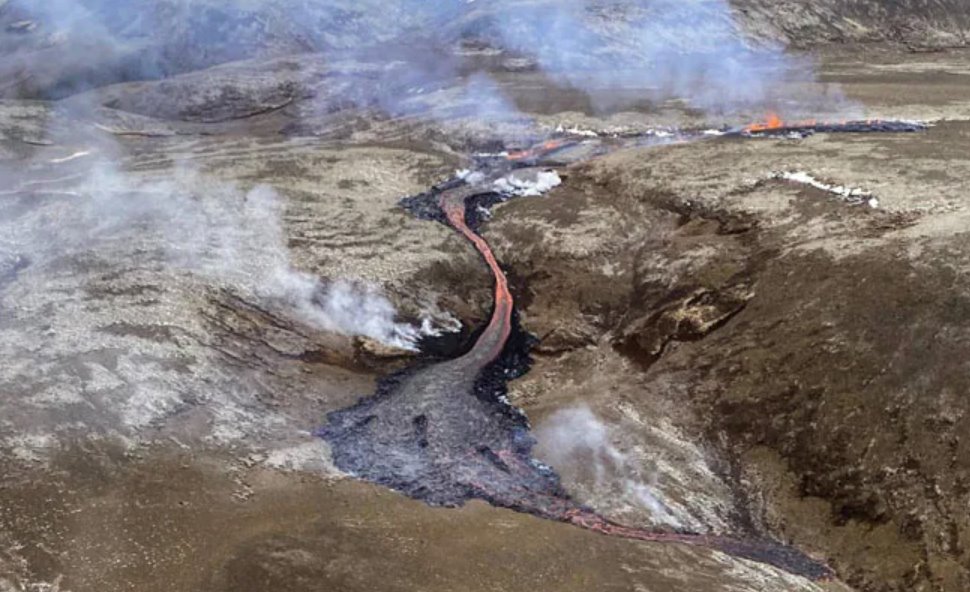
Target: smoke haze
{"x": 405, "y": 59}
{"x": 188, "y": 222}
{"x": 687, "y": 49}
{"x": 620, "y": 52}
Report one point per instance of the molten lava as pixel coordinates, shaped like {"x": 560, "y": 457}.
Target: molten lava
{"x": 773, "y": 122}
{"x": 490, "y": 344}
{"x": 539, "y": 151}
{"x": 445, "y": 432}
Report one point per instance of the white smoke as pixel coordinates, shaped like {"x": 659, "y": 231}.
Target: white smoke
{"x": 529, "y": 184}
{"x": 623, "y": 51}
{"x": 585, "y": 452}
{"x": 188, "y": 222}
{"x": 620, "y": 52}
{"x": 344, "y": 307}
{"x": 244, "y": 241}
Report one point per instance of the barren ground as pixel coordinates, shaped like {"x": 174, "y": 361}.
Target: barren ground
{"x": 780, "y": 361}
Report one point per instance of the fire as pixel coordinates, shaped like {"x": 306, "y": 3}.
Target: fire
{"x": 772, "y": 122}
{"x": 546, "y": 146}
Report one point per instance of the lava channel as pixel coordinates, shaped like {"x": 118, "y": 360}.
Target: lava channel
{"x": 445, "y": 432}
{"x": 777, "y": 126}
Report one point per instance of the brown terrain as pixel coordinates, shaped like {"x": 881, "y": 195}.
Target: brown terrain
{"x": 759, "y": 355}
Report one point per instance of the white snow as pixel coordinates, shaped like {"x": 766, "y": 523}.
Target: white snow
{"x": 310, "y": 455}
{"x": 853, "y": 195}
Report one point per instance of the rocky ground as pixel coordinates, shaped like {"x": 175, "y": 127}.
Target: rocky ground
{"x": 721, "y": 349}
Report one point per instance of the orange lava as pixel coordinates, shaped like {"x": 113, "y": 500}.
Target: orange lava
{"x": 547, "y": 146}
{"x": 490, "y": 344}
{"x": 772, "y": 122}
{"x": 775, "y": 122}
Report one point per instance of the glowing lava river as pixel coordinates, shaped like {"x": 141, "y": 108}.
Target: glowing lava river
{"x": 444, "y": 432}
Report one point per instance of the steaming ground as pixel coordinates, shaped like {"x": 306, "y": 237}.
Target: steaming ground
{"x": 143, "y": 280}
{"x": 190, "y": 281}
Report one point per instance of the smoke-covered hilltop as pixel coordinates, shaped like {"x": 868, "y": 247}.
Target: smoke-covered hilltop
{"x": 696, "y": 50}
{"x": 58, "y": 47}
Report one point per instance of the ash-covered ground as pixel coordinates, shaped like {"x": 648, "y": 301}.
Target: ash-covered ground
{"x": 201, "y": 256}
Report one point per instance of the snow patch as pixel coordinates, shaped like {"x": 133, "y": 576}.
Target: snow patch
{"x": 30, "y": 447}
{"x": 852, "y": 195}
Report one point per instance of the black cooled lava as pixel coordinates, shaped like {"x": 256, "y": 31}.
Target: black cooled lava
{"x": 445, "y": 433}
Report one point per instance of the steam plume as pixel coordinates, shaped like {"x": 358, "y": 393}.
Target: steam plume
{"x": 189, "y": 222}
{"x": 584, "y": 451}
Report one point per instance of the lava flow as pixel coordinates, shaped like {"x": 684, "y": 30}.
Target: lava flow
{"x": 490, "y": 343}
{"x": 774, "y": 124}
{"x": 546, "y": 148}
{"x": 445, "y": 432}
{"x": 569, "y": 149}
